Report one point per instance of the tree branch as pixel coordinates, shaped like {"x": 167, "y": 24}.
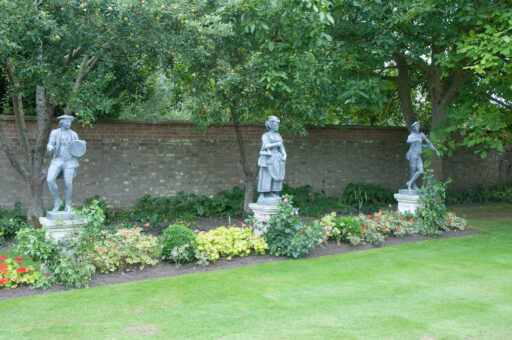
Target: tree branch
{"x": 19, "y": 112}
{"x": 500, "y": 102}
{"x": 11, "y": 156}
{"x": 452, "y": 85}
{"x": 88, "y": 64}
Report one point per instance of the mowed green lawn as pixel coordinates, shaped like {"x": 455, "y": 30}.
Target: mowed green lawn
{"x": 459, "y": 288}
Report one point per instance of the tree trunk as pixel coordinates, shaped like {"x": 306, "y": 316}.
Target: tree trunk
{"x": 34, "y": 204}
{"x": 404, "y": 89}
{"x": 250, "y": 175}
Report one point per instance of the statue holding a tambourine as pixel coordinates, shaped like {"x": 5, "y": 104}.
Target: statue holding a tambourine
{"x": 66, "y": 148}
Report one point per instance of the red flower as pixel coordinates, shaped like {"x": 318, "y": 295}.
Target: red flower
{"x": 3, "y": 265}
{"x": 126, "y": 234}
{"x": 395, "y": 213}
{"x": 116, "y": 246}
{"x": 5, "y": 271}
{"x": 363, "y": 230}
{"x": 449, "y": 220}
{"x": 21, "y": 270}
{"x": 18, "y": 259}
{"x": 411, "y": 220}
{"x": 384, "y": 229}
{"x": 364, "y": 225}
{"x": 137, "y": 228}
{"x": 380, "y": 210}
{"x": 146, "y": 224}
{"x": 90, "y": 238}
{"x": 369, "y": 216}
{"x": 122, "y": 224}
{"x": 3, "y": 257}
{"x": 100, "y": 250}
{"x": 4, "y": 280}
{"x": 47, "y": 276}
{"x": 397, "y": 228}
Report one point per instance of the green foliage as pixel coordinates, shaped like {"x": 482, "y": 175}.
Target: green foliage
{"x": 229, "y": 242}
{"x": 311, "y": 203}
{"x": 126, "y": 247}
{"x": 432, "y": 210}
{"x": 176, "y": 236}
{"x": 72, "y": 270}
{"x": 95, "y": 216}
{"x": 367, "y": 198}
{"x": 286, "y": 235}
{"x": 12, "y": 220}
{"x": 499, "y": 193}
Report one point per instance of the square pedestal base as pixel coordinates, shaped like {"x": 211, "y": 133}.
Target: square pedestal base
{"x": 408, "y": 203}
{"x": 59, "y": 229}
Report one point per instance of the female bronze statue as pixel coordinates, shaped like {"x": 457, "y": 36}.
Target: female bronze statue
{"x": 271, "y": 163}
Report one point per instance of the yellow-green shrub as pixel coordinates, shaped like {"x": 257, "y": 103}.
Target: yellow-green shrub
{"x": 228, "y": 242}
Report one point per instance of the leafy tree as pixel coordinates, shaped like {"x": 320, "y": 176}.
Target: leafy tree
{"x": 266, "y": 63}
{"x": 82, "y": 58}
{"x": 433, "y": 53}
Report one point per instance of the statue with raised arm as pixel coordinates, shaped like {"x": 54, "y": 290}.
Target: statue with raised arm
{"x": 416, "y": 139}
{"x": 271, "y": 164}
{"x": 66, "y": 147}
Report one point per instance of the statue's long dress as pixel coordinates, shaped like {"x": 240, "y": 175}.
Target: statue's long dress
{"x": 271, "y": 163}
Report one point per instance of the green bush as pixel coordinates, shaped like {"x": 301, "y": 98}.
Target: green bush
{"x": 432, "y": 212}
{"x": 367, "y": 198}
{"x": 178, "y": 235}
{"x": 500, "y": 193}
{"x": 12, "y": 220}
{"x": 286, "y": 235}
{"x": 59, "y": 266}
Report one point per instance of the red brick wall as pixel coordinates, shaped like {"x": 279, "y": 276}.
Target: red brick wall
{"x": 126, "y": 160}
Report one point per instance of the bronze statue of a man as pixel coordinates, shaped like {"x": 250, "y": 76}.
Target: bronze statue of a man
{"x": 415, "y": 139}
{"x": 66, "y": 147}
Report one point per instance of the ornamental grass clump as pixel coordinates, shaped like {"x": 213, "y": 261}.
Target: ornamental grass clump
{"x": 286, "y": 235}
{"x": 229, "y": 242}
{"x": 174, "y": 238}
{"x": 124, "y": 248}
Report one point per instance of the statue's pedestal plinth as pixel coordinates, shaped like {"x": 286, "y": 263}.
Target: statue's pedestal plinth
{"x": 59, "y": 228}
{"x": 408, "y": 200}
{"x": 263, "y": 212}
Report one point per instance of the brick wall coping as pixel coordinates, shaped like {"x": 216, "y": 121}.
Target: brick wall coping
{"x": 189, "y": 122}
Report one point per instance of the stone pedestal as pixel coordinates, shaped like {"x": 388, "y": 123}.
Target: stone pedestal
{"x": 407, "y": 202}
{"x": 60, "y": 228}
{"x": 263, "y": 212}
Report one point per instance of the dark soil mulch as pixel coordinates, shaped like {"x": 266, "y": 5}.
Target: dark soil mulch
{"x": 163, "y": 269}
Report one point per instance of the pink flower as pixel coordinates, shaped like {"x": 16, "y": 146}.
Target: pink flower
{"x": 265, "y": 220}
{"x": 261, "y": 214}
{"x": 244, "y": 225}
{"x": 291, "y": 213}
{"x": 320, "y": 241}
{"x": 285, "y": 200}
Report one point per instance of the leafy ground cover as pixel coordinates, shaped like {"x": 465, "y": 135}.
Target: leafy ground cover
{"x": 448, "y": 288}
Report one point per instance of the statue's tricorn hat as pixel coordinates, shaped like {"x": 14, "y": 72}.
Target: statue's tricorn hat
{"x": 66, "y": 117}
{"x": 414, "y": 124}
